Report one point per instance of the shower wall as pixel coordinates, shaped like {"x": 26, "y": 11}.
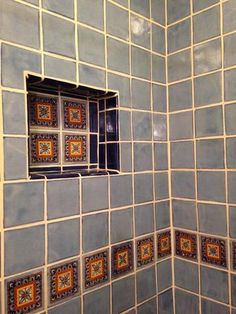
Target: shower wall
{"x": 96, "y": 244}
{"x": 202, "y": 112}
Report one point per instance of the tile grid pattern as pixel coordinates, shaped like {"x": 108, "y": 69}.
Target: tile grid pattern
{"x": 19, "y": 179}
{"x": 203, "y": 292}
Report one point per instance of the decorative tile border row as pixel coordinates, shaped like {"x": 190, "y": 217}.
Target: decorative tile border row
{"x": 213, "y": 250}
{"x": 25, "y": 294}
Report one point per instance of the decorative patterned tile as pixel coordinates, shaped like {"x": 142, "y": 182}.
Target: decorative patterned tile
{"x": 44, "y": 148}
{"x": 122, "y": 259}
{"x": 25, "y": 294}
{"x": 74, "y": 115}
{"x": 145, "y": 251}
{"x": 163, "y": 244}
{"x": 234, "y": 254}
{"x": 96, "y": 269}
{"x": 64, "y": 281}
{"x": 75, "y": 148}
{"x": 43, "y": 111}
{"x": 186, "y": 244}
{"x": 213, "y": 251}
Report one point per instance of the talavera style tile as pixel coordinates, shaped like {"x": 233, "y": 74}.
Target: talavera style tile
{"x": 63, "y": 281}
{"x": 184, "y": 300}
{"x": 11, "y": 12}
{"x": 121, "y": 27}
{"x": 163, "y": 244}
{"x": 186, "y": 275}
{"x": 101, "y": 298}
{"x": 122, "y": 259}
{"x": 145, "y": 251}
{"x": 146, "y": 284}
{"x": 25, "y": 294}
{"x": 23, "y": 203}
{"x": 186, "y": 245}
{"x": 213, "y": 251}
{"x": 123, "y": 294}
{"x": 24, "y": 249}
{"x": 96, "y": 269}
{"x": 214, "y": 284}
{"x": 91, "y": 12}
{"x": 121, "y": 225}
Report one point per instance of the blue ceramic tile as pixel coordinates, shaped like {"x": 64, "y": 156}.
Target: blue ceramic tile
{"x": 101, "y": 156}
{"x": 143, "y": 187}
{"x": 177, "y": 132}
{"x": 146, "y": 284}
{"x": 182, "y": 155}
{"x": 158, "y": 69}
{"x": 58, "y": 35}
{"x": 230, "y": 79}
{"x": 202, "y": 4}
{"x": 177, "y": 10}
{"x": 184, "y": 214}
{"x": 140, "y": 63}
{"x": 24, "y": 249}
{"x": 121, "y": 27}
{"x": 184, "y": 300}
{"x": 142, "y": 157}
{"x": 183, "y": 184}
{"x": 179, "y": 65}
{"x": 121, "y": 225}
{"x": 15, "y": 162}
{"x": 88, "y": 39}
{"x": 230, "y": 115}
{"x": 140, "y": 31}
{"x": 126, "y": 157}
{"x": 213, "y": 307}
{"x": 63, "y": 239}
{"x": 160, "y": 156}
{"x": 23, "y": 203}
{"x": 159, "y": 98}
{"x": 159, "y": 127}
{"x": 93, "y": 117}
{"x": 179, "y": 36}
{"x": 91, "y": 12}
{"x": 59, "y": 68}
{"x": 144, "y": 219}
{"x": 141, "y": 94}
{"x": 97, "y": 302}
{"x": 232, "y": 219}
{"x": 206, "y": 24}
{"x": 229, "y": 50}
{"x": 231, "y": 187}
{"x": 158, "y": 11}
{"x": 117, "y": 55}
{"x": 229, "y": 10}
{"x": 207, "y": 57}
{"x": 123, "y": 294}
{"x": 233, "y": 289}
{"x": 60, "y": 7}
{"x": 186, "y": 275}
{"x": 212, "y": 219}
{"x": 59, "y": 204}
{"x": 93, "y": 149}
{"x": 158, "y": 39}
{"x": 207, "y": 89}
{"x": 92, "y": 76}
{"x": 72, "y": 307}
{"x": 162, "y": 215}
{"x": 140, "y": 6}
{"x": 14, "y": 61}
{"x": 122, "y": 85}
{"x": 161, "y": 186}
{"x": 149, "y": 307}
{"x": 180, "y": 96}
{"x": 98, "y": 187}
{"x": 95, "y": 231}
{"x": 214, "y": 284}
{"x": 112, "y": 126}
{"x": 121, "y": 190}
{"x": 142, "y": 126}
{"x": 125, "y": 125}
{"x": 165, "y": 302}
{"x": 164, "y": 275}
{"x": 210, "y": 154}
{"x": 12, "y": 12}
{"x": 113, "y": 161}
{"x": 209, "y": 121}
{"x": 211, "y": 186}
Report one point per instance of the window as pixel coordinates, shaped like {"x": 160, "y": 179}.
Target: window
{"x": 71, "y": 130}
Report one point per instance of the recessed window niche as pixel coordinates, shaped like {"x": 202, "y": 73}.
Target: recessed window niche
{"x": 72, "y": 130}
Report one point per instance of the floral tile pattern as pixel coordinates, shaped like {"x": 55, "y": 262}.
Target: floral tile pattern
{"x": 213, "y": 251}
{"x": 25, "y": 294}
{"x": 74, "y": 115}
{"x": 43, "y": 111}
{"x": 234, "y": 254}
{"x": 75, "y": 148}
{"x": 122, "y": 259}
{"x": 163, "y": 244}
{"x": 96, "y": 269}
{"x": 145, "y": 251}
{"x": 64, "y": 281}
{"x": 186, "y": 244}
{"x": 44, "y": 148}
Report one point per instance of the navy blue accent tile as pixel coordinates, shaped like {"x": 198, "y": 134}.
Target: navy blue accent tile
{"x": 113, "y": 156}
{"x": 102, "y": 127}
{"x": 101, "y": 104}
{"x": 93, "y": 149}
{"x": 111, "y": 125}
{"x": 102, "y": 156}
{"x": 111, "y": 102}
{"x": 93, "y": 117}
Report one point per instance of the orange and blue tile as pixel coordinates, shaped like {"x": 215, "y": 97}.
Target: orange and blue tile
{"x": 122, "y": 259}
{"x": 25, "y": 294}
{"x": 75, "y": 148}
{"x": 96, "y": 269}
{"x": 186, "y": 245}
{"x": 163, "y": 244}
{"x": 145, "y": 251}
{"x": 44, "y": 148}
{"x": 64, "y": 281}
{"x": 74, "y": 115}
{"x": 213, "y": 251}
